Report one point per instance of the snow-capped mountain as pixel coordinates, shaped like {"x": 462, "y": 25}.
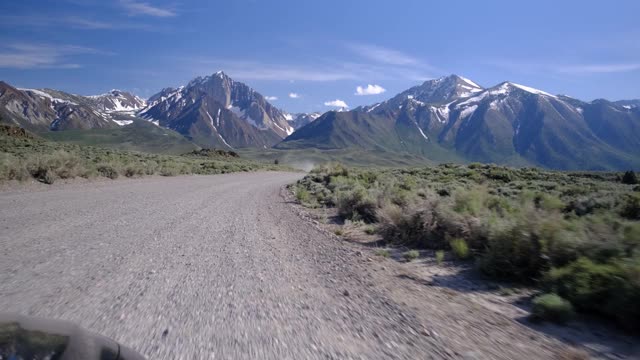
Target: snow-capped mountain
{"x": 50, "y": 109}
{"x": 444, "y": 89}
{"x": 217, "y": 111}
{"x": 118, "y": 101}
{"x": 506, "y": 123}
{"x": 301, "y": 119}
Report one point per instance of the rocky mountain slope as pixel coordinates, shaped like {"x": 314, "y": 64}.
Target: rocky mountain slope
{"x": 453, "y": 117}
{"x": 118, "y": 101}
{"x": 217, "y": 111}
{"x": 48, "y": 109}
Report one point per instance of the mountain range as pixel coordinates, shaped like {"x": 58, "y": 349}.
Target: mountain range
{"x": 447, "y": 119}
{"x": 454, "y": 118}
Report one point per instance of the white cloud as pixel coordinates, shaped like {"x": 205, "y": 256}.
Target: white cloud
{"x": 294, "y": 95}
{"x": 336, "y": 103}
{"x": 33, "y": 56}
{"x": 143, "y": 8}
{"x": 370, "y": 90}
{"x": 271, "y": 98}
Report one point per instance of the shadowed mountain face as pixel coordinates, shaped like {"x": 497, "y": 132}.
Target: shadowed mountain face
{"x": 508, "y": 123}
{"x": 218, "y": 111}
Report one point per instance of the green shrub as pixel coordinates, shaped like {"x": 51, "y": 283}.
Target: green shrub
{"x": 439, "y": 257}
{"x": 59, "y": 164}
{"x": 460, "y": 248}
{"x": 551, "y": 307}
{"x": 499, "y": 174}
{"x": 470, "y": 201}
{"x": 107, "y": 170}
{"x": 356, "y": 205}
{"x": 631, "y": 207}
{"x": 549, "y": 202}
{"x": 630, "y": 178}
{"x": 40, "y": 169}
{"x": 383, "y": 252}
{"x": 133, "y": 170}
{"x": 174, "y": 169}
{"x": 514, "y": 252}
{"x": 608, "y": 289}
{"x": 302, "y": 195}
{"x": 12, "y": 168}
{"x": 411, "y": 255}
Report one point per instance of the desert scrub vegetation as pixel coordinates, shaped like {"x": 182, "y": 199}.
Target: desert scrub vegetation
{"x": 573, "y": 234}
{"x": 411, "y": 255}
{"x": 551, "y": 307}
{"x": 24, "y": 157}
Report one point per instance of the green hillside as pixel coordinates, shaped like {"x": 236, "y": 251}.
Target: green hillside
{"x": 141, "y": 136}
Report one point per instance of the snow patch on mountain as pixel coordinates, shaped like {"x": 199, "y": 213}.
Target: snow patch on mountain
{"x": 123, "y": 122}
{"x": 468, "y": 111}
{"x": 48, "y": 96}
{"x": 531, "y": 90}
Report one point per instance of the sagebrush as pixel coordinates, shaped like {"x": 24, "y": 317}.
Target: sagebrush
{"x": 577, "y": 234}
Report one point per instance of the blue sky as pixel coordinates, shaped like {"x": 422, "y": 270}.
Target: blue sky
{"x": 322, "y": 50}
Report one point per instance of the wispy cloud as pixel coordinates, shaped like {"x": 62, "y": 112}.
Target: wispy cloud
{"x": 271, "y": 98}
{"x": 317, "y": 71}
{"x": 533, "y": 67}
{"x": 34, "y": 56}
{"x": 336, "y": 103}
{"x": 294, "y": 95}
{"x": 598, "y": 68}
{"x": 254, "y": 70}
{"x": 383, "y": 55}
{"x": 142, "y": 8}
{"x": 89, "y": 24}
{"x": 370, "y": 90}
{"x": 73, "y": 22}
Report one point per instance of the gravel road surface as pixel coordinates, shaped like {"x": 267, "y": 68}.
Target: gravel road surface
{"x": 195, "y": 268}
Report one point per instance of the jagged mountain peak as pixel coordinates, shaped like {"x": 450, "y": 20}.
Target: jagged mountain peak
{"x": 207, "y": 104}
{"x": 435, "y": 91}
{"x": 216, "y": 78}
{"x": 118, "y": 101}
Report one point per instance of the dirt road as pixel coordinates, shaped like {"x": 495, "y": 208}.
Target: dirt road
{"x": 219, "y": 267}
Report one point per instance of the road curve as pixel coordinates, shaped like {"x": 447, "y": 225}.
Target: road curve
{"x": 197, "y": 267}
